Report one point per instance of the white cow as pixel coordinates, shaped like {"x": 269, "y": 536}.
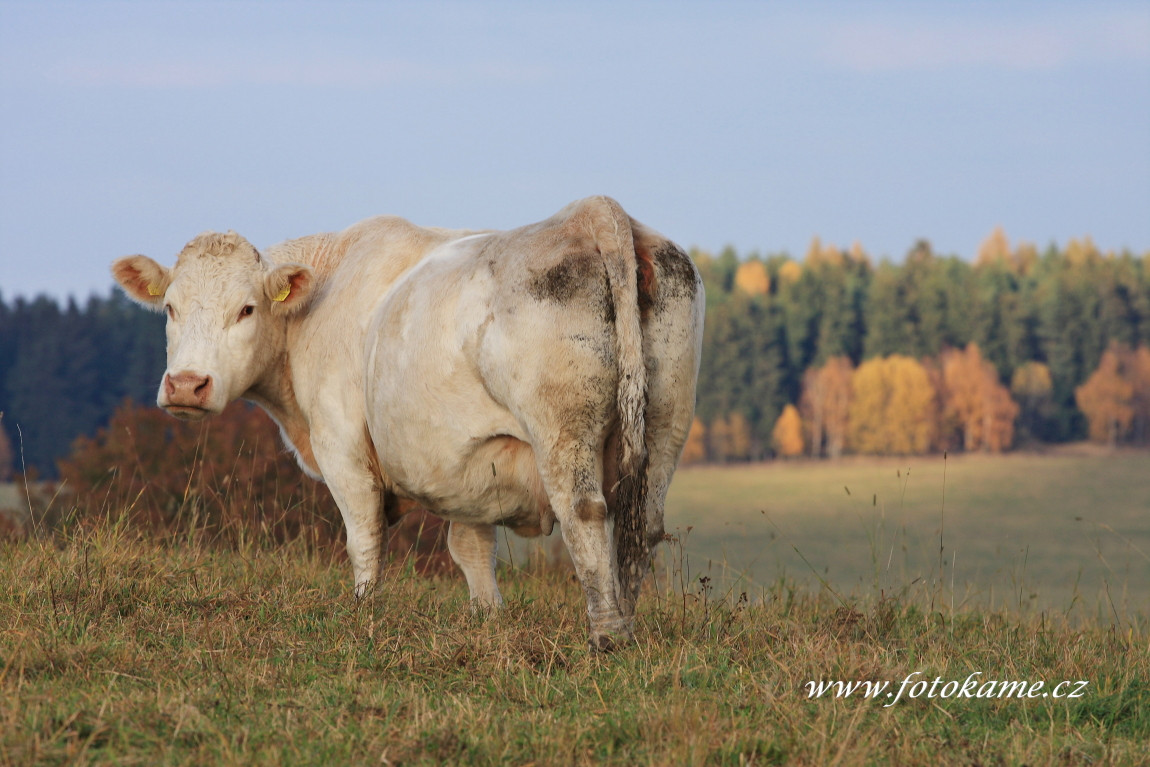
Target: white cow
{"x": 523, "y": 378}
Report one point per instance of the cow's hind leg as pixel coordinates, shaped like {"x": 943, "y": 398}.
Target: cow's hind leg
{"x": 572, "y": 473}
{"x": 472, "y": 546}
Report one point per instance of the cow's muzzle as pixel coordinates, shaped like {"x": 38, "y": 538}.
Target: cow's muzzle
{"x": 187, "y": 394}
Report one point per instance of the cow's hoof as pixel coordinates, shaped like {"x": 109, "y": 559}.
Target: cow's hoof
{"x": 605, "y": 643}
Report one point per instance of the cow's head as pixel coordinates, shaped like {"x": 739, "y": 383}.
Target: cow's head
{"x": 226, "y": 307}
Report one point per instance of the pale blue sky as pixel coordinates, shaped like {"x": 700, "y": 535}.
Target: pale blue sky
{"x": 130, "y": 127}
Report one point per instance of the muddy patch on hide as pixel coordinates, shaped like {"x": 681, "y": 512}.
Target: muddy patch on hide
{"x": 602, "y": 346}
{"x": 678, "y": 278}
{"x": 563, "y": 281}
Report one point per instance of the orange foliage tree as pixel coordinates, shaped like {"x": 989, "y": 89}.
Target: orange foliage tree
{"x": 1116, "y": 397}
{"x": 695, "y": 450}
{"x": 225, "y": 480}
{"x": 976, "y": 402}
{"x": 1137, "y": 370}
{"x": 787, "y": 436}
{"x": 892, "y": 409}
{"x": 825, "y": 405}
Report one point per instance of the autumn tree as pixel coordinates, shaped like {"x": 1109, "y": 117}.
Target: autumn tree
{"x": 751, "y": 278}
{"x": 695, "y": 449}
{"x": 729, "y": 438}
{"x": 787, "y": 436}
{"x": 739, "y": 436}
{"x": 825, "y": 406}
{"x": 892, "y": 407}
{"x": 994, "y": 249}
{"x": 1138, "y": 373}
{"x": 1107, "y": 400}
{"x": 790, "y": 271}
{"x": 975, "y": 400}
{"x": 1116, "y": 397}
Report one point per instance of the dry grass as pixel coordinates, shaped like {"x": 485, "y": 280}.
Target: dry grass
{"x": 118, "y": 650}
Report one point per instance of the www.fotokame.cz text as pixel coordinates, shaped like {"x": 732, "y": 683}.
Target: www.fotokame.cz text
{"x": 971, "y": 687}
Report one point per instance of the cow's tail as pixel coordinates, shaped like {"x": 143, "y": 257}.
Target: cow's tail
{"x": 627, "y": 275}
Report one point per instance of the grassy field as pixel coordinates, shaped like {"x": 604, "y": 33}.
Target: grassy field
{"x": 1064, "y": 532}
{"x": 118, "y": 651}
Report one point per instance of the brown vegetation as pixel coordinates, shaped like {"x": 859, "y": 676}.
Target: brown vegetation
{"x": 225, "y": 481}
{"x": 5, "y": 453}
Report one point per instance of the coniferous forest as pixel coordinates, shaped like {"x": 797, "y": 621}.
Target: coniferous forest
{"x": 826, "y": 355}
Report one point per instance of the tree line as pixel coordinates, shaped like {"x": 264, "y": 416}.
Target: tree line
{"x": 834, "y": 353}
{"x": 64, "y": 369}
{"x": 829, "y": 354}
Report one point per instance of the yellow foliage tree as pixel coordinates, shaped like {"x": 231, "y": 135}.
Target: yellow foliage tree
{"x": 1025, "y": 257}
{"x": 892, "y": 409}
{"x": 825, "y": 405}
{"x": 790, "y": 272}
{"x": 818, "y": 255}
{"x": 787, "y": 436}
{"x": 994, "y": 249}
{"x": 1082, "y": 252}
{"x": 695, "y": 450}
{"x": 857, "y": 253}
{"x": 975, "y": 400}
{"x": 751, "y": 278}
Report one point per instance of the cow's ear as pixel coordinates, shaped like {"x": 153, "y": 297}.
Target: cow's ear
{"x": 289, "y": 287}
{"x": 143, "y": 280}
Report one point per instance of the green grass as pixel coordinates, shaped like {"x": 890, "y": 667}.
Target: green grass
{"x": 1065, "y": 533}
{"x": 119, "y": 651}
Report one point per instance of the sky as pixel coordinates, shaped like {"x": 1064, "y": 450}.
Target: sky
{"x": 130, "y": 127}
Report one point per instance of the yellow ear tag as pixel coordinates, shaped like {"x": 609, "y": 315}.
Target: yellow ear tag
{"x": 283, "y": 294}
{"x": 154, "y": 290}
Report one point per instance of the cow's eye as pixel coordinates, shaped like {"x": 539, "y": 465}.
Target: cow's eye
{"x": 171, "y": 312}
{"x": 247, "y": 311}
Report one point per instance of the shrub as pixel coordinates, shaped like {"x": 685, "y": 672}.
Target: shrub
{"x": 226, "y": 480}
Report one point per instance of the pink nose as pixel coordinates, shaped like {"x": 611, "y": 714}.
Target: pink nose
{"x": 188, "y": 389}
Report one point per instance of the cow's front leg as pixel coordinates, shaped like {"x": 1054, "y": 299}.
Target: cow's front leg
{"x": 472, "y": 546}
{"x": 358, "y": 497}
